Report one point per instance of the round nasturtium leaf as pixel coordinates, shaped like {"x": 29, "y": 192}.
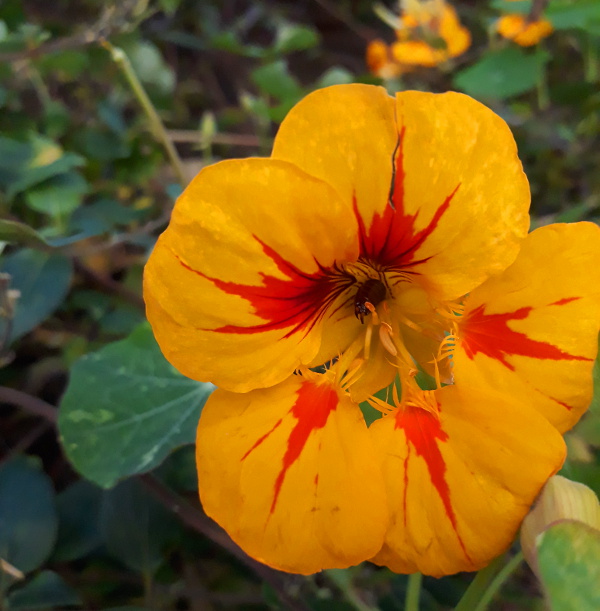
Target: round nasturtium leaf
{"x": 126, "y": 409}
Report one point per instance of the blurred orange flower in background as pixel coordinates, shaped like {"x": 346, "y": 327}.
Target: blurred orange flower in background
{"x": 428, "y": 34}
{"x": 524, "y": 33}
{"x": 521, "y": 29}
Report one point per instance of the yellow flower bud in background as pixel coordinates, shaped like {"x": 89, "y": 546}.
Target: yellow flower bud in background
{"x": 560, "y": 500}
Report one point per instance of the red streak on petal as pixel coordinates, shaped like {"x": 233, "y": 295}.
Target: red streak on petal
{"x": 391, "y": 239}
{"x": 296, "y": 303}
{"x": 423, "y": 431}
{"x": 314, "y": 403}
{"x": 565, "y": 300}
{"x": 261, "y": 439}
{"x": 561, "y": 403}
{"x": 311, "y": 410}
{"x": 491, "y": 335}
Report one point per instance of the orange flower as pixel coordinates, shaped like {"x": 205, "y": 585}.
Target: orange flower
{"x": 519, "y": 29}
{"x": 383, "y": 236}
{"x": 428, "y": 34}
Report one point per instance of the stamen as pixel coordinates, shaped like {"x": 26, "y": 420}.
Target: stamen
{"x": 385, "y": 335}
{"x": 352, "y": 374}
{"x": 381, "y": 406}
{"x": 368, "y": 337}
{"x": 374, "y": 316}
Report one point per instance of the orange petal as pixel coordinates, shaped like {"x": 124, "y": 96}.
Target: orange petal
{"x": 524, "y": 33}
{"x": 459, "y": 203}
{"x": 291, "y": 474}
{"x": 532, "y": 331}
{"x": 380, "y": 62}
{"x": 460, "y": 483}
{"x": 239, "y": 284}
{"x": 345, "y": 135}
{"x": 460, "y": 199}
{"x": 449, "y": 39}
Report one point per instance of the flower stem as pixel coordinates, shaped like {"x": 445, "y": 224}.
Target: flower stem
{"x": 413, "y": 592}
{"x": 487, "y": 583}
{"x": 156, "y": 124}
{"x": 542, "y": 84}
{"x": 592, "y": 68}
{"x": 343, "y": 580}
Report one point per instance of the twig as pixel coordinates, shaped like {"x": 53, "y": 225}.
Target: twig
{"x": 26, "y": 441}
{"x": 334, "y": 11}
{"x": 537, "y": 8}
{"x": 112, "y": 286}
{"x": 204, "y": 525}
{"x": 195, "y": 137}
{"x": 29, "y": 403}
{"x": 156, "y": 124}
{"x": 114, "y": 18}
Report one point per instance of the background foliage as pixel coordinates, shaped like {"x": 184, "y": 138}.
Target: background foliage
{"x": 98, "y": 506}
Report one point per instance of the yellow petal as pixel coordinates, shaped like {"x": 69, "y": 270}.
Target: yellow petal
{"x": 291, "y": 474}
{"x": 240, "y": 283}
{"x": 532, "y": 332}
{"x": 346, "y": 136}
{"x": 459, "y": 484}
{"x": 461, "y": 189}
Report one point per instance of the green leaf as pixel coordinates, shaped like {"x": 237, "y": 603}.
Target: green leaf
{"x": 43, "y": 280}
{"x": 59, "y": 196}
{"x": 150, "y": 67}
{"x": 19, "y": 233}
{"x": 335, "y": 76}
{"x": 78, "y": 513}
{"x": 502, "y": 74}
{"x": 46, "y": 590}
{"x": 274, "y": 79}
{"x": 136, "y": 528}
{"x": 28, "y": 521}
{"x": 44, "y": 160}
{"x": 584, "y": 14}
{"x": 291, "y": 37}
{"x": 589, "y": 426}
{"x": 569, "y": 566}
{"x": 126, "y": 408}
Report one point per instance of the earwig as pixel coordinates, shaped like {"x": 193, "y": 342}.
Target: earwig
{"x": 372, "y": 292}
{"x": 393, "y": 181}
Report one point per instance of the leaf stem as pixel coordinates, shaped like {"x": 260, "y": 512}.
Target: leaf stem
{"x": 156, "y": 124}
{"x": 343, "y": 580}
{"x": 488, "y": 582}
{"x": 413, "y": 592}
{"x": 542, "y": 83}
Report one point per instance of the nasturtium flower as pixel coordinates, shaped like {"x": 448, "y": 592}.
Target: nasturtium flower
{"x": 428, "y": 33}
{"x": 521, "y": 29}
{"x": 403, "y": 204}
{"x": 383, "y": 240}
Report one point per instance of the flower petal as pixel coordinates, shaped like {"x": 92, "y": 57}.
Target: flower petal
{"x": 241, "y": 281}
{"x": 518, "y": 28}
{"x": 532, "y": 331}
{"x": 291, "y": 474}
{"x": 461, "y": 198}
{"x": 448, "y": 39}
{"x": 460, "y": 485}
{"x": 436, "y": 186}
{"x": 345, "y": 135}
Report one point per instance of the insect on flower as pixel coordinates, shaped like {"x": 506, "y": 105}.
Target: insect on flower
{"x": 368, "y": 296}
